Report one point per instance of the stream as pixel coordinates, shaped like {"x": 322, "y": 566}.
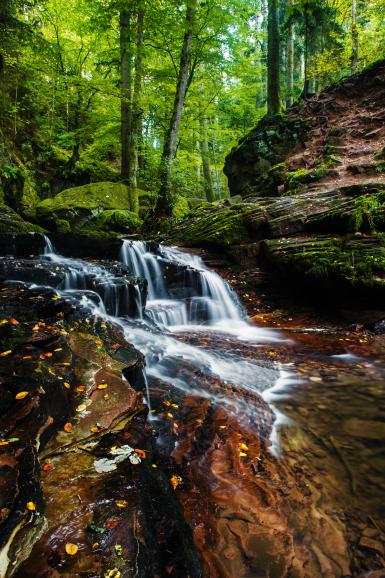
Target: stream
{"x": 272, "y": 437}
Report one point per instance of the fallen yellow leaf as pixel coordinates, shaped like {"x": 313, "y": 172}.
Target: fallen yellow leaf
{"x": 67, "y": 385}
{"x": 71, "y": 549}
{"x": 121, "y": 503}
{"x": 21, "y": 394}
{"x": 81, "y": 407}
{"x": 31, "y": 506}
{"x": 102, "y": 386}
{"x": 5, "y": 353}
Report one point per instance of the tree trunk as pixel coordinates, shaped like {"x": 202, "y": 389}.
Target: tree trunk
{"x": 290, "y": 64}
{"x": 273, "y": 60}
{"x": 136, "y": 113}
{"x": 125, "y": 87}
{"x": 306, "y": 57}
{"x": 164, "y": 203}
{"x": 205, "y": 153}
{"x": 354, "y": 57}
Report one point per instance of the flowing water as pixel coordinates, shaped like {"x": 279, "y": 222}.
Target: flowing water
{"x": 211, "y": 392}
{"x": 184, "y": 298}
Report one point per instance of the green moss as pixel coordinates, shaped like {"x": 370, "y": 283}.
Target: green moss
{"x": 223, "y": 227}
{"x": 103, "y": 195}
{"x": 119, "y": 221}
{"x": 80, "y": 206}
{"x": 180, "y": 208}
{"x": 357, "y": 262}
{"x": 63, "y": 226}
{"x": 11, "y": 222}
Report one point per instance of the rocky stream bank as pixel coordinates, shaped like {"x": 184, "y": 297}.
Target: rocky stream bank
{"x": 260, "y": 454}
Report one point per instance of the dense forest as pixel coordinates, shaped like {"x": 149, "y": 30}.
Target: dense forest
{"x": 155, "y": 94}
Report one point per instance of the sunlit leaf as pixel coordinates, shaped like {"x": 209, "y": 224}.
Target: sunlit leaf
{"x": 71, "y": 549}
{"x": 175, "y": 481}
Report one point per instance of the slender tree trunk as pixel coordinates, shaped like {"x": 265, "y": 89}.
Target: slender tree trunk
{"x": 125, "y": 86}
{"x": 205, "y": 153}
{"x": 306, "y": 58}
{"x": 273, "y": 60}
{"x": 164, "y": 203}
{"x": 136, "y": 113}
{"x": 290, "y": 63}
{"x": 354, "y": 57}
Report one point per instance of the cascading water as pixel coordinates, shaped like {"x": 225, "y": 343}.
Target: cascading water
{"x": 209, "y": 300}
{"x": 184, "y": 297}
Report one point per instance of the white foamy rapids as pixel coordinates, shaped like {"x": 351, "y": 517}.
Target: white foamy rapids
{"x": 143, "y": 263}
{"x": 212, "y": 300}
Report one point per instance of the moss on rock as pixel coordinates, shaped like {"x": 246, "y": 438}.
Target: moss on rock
{"x": 11, "y": 222}
{"x": 83, "y": 206}
{"x": 119, "y": 221}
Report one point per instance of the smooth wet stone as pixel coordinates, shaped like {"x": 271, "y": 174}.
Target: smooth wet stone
{"x": 372, "y": 430}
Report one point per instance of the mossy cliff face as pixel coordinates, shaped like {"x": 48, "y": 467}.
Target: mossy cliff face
{"x": 333, "y": 240}
{"x": 256, "y": 165}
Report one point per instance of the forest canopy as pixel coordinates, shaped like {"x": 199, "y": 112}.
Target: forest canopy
{"x": 154, "y": 93}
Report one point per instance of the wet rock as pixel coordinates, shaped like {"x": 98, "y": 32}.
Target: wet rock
{"x": 373, "y": 430}
{"x": 372, "y": 544}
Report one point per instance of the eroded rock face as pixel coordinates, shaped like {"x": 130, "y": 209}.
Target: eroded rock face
{"x": 332, "y": 139}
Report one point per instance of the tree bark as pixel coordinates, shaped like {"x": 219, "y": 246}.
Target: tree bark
{"x": 126, "y": 90}
{"x": 205, "y": 154}
{"x": 354, "y": 57}
{"x": 273, "y": 60}
{"x": 164, "y": 202}
{"x": 290, "y": 63}
{"x": 306, "y": 57}
{"x": 136, "y": 112}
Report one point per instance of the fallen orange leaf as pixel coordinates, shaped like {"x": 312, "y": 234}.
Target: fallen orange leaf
{"x": 175, "y": 481}
{"x": 141, "y": 454}
{"x": 47, "y": 467}
{"x": 68, "y": 427}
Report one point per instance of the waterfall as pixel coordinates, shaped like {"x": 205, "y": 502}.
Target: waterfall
{"x": 185, "y": 296}
{"x": 209, "y": 301}
{"x": 48, "y": 246}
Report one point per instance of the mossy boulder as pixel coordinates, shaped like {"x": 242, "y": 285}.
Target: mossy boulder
{"x": 11, "y": 222}
{"x": 119, "y": 221}
{"x": 80, "y": 206}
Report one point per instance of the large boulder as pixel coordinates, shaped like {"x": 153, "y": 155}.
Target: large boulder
{"x": 80, "y": 204}
{"x": 94, "y": 208}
